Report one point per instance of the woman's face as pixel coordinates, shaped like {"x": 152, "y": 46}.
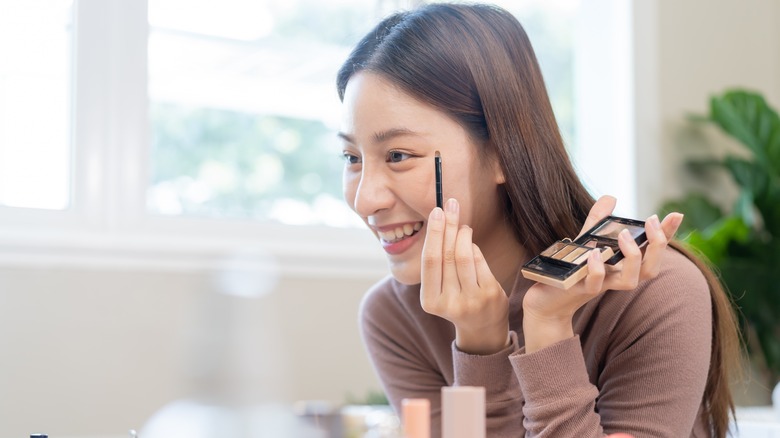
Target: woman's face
{"x": 389, "y": 142}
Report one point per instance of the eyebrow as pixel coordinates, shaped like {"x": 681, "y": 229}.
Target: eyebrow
{"x": 383, "y": 136}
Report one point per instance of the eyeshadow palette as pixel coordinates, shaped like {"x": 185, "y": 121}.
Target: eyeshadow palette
{"x": 564, "y": 263}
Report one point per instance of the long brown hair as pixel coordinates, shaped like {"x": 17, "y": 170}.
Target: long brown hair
{"x": 476, "y": 64}
{"x": 726, "y": 349}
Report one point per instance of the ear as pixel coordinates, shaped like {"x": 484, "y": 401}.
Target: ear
{"x": 498, "y": 171}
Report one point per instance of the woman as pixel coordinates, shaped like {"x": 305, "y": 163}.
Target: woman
{"x": 648, "y": 358}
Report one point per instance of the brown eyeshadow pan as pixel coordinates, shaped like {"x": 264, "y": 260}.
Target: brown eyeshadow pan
{"x": 576, "y": 253}
{"x": 553, "y": 249}
{"x": 561, "y": 255}
{"x": 582, "y": 257}
{"x": 592, "y": 243}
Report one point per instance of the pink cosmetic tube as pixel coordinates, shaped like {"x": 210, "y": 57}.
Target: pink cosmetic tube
{"x": 463, "y": 412}
{"x": 416, "y": 416}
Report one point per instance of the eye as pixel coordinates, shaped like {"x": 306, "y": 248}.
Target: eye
{"x": 350, "y": 158}
{"x": 397, "y": 156}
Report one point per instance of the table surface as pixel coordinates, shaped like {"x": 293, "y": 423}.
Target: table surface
{"x": 752, "y": 421}
{"x": 756, "y": 422}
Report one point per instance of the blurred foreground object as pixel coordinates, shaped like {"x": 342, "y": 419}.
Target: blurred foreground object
{"x": 200, "y": 419}
{"x": 350, "y": 421}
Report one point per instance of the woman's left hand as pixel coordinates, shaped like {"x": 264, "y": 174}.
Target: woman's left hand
{"x": 548, "y": 311}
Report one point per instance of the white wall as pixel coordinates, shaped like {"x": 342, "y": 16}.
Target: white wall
{"x": 96, "y": 352}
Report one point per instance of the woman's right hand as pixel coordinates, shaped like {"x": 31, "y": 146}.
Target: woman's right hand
{"x": 457, "y": 284}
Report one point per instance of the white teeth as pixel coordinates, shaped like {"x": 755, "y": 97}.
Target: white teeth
{"x": 400, "y": 232}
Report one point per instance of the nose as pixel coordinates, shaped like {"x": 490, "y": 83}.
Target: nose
{"x": 373, "y": 192}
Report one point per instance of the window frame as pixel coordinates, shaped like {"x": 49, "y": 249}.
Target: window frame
{"x": 107, "y": 224}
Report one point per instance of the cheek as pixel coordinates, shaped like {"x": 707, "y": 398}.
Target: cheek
{"x": 349, "y": 184}
{"x": 418, "y": 188}
{"x": 477, "y": 194}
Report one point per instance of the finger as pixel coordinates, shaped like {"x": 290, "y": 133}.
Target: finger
{"x": 464, "y": 259}
{"x": 671, "y": 223}
{"x": 595, "y": 278}
{"x": 628, "y": 276}
{"x": 601, "y": 209}
{"x": 450, "y": 271}
{"x": 484, "y": 274}
{"x": 656, "y": 245}
{"x": 431, "y": 265}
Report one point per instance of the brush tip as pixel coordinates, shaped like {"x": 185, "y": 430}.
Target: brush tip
{"x": 438, "y": 155}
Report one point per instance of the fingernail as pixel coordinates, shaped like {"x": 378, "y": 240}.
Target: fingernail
{"x": 654, "y": 222}
{"x": 625, "y": 234}
{"x": 452, "y": 205}
{"x": 437, "y": 214}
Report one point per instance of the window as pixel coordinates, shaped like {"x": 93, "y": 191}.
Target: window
{"x": 549, "y": 25}
{"x": 35, "y": 77}
{"x": 244, "y": 108}
{"x": 197, "y": 128}
{"x": 244, "y": 111}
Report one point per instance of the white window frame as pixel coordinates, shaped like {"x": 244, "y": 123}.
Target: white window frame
{"x": 617, "y": 108}
{"x": 108, "y": 224}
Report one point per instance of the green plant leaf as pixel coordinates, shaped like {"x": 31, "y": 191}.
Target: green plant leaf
{"x": 714, "y": 241}
{"x": 749, "y": 175}
{"x": 747, "y": 117}
{"x": 770, "y": 208}
{"x": 754, "y": 183}
{"x": 699, "y": 212}
{"x": 372, "y": 397}
{"x": 698, "y": 118}
{"x": 704, "y": 165}
{"x": 745, "y": 209}
{"x": 744, "y": 243}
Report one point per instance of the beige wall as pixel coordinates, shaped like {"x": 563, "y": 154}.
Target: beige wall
{"x": 693, "y": 49}
{"x": 95, "y": 353}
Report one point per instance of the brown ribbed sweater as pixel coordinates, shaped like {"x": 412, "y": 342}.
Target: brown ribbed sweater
{"x": 638, "y": 362}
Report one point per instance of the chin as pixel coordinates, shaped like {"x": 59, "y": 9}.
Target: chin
{"x": 405, "y": 274}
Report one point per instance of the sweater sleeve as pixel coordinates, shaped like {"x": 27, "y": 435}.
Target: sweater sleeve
{"x": 401, "y": 346}
{"x": 494, "y": 372}
{"x": 560, "y": 400}
{"x": 651, "y": 379}
{"x": 403, "y": 366}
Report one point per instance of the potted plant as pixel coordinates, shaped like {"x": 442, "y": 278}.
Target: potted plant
{"x": 743, "y": 241}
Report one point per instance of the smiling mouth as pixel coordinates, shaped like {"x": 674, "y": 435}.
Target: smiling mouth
{"x": 400, "y": 233}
